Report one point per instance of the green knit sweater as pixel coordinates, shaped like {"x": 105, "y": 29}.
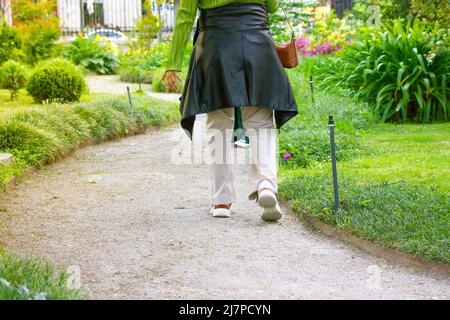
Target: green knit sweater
{"x": 184, "y": 22}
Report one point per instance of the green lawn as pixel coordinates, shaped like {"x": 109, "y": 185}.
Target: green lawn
{"x": 416, "y": 154}
{"x": 394, "y": 179}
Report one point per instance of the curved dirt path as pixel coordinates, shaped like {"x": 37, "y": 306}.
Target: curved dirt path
{"x": 138, "y": 227}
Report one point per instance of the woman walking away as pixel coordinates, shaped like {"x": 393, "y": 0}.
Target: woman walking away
{"x": 237, "y": 79}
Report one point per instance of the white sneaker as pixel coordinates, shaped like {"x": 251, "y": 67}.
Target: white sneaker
{"x": 271, "y": 210}
{"x": 242, "y": 143}
{"x": 221, "y": 212}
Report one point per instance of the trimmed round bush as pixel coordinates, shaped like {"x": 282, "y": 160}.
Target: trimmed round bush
{"x": 13, "y": 76}
{"x": 56, "y": 80}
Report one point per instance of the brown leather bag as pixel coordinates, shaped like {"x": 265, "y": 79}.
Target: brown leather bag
{"x": 288, "y": 52}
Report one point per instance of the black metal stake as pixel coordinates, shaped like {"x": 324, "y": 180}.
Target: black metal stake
{"x": 311, "y": 83}
{"x": 333, "y": 161}
{"x": 129, "y": 97}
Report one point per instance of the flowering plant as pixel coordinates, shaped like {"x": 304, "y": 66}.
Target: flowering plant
{"x": 306, "y": 47}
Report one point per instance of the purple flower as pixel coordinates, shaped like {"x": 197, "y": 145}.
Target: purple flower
{"x": 287, "y": 156}
{"x": 303, "y": 43}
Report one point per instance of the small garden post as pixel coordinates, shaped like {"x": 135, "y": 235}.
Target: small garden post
{"x": 311, "y": 83}
{"x": 129, "y": 97}
{"x": 333, "y": 161}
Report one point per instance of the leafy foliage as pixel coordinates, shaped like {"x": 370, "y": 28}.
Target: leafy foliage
{"x": 434, "y": 10}
{"x": 431, "y": 10}
{"x": 10, "y": 42}
{"x": 388, "y": 9}
{"x": 146, "y": 29}
{"x": 13, "y": 76}
{"x": 39, "y": 26}
{"x": 397, "y": 70}
{"x": 56, "y": 80}
{"x": 39, "y": 41}
{"x": 138, "y": 66}
{"x": 94, "y": 54}
{"x": 328, "y": 28}
{"x": 143, "y": 67}
{"x": 299, "y": 15}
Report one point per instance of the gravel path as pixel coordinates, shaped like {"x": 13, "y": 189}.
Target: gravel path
{"x": 112, "y": 84}
{"x": 138, "y": 226}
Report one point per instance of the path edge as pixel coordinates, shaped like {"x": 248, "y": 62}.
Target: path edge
{"x": 375, "y": 249}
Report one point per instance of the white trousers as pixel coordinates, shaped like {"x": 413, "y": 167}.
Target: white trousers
{"x": 258, "y": 123}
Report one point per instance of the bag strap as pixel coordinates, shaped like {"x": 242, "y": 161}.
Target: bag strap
{"x": 287, "y": 19}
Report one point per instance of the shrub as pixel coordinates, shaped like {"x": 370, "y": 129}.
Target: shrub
{"x": 135, "y": 69}
{"x": 13, "y": 76}
{"x": 329, "y": 29}
{"x": 438, "y": 10}
{"x": 56, "y": 80}
{"x": 94, "y": 54}
{"x": 388, "y": 9}
{"x": 139, "y": 65}
{"x": 403, "y": 72}
{"x": 158, "y": 55}
{"x": 10, "y": 42}
{"x": 135, "y": 75}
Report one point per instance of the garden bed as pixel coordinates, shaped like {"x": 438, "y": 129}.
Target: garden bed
{"x": 42, "y": 134}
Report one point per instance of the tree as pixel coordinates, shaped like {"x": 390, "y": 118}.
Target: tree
{"x": 39, "y": 26}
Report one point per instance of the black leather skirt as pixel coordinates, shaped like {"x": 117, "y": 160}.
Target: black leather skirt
{"x": 234, "y": 63}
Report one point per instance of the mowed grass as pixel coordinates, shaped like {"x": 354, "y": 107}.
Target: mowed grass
{"x": 416, "y": 154}
{"x": 394, "y": 190}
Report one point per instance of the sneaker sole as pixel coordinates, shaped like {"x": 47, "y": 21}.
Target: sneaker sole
{"x": 271, "y": 211}
{"x": 271, "y": 214}
{"x": 221, "y": 213}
